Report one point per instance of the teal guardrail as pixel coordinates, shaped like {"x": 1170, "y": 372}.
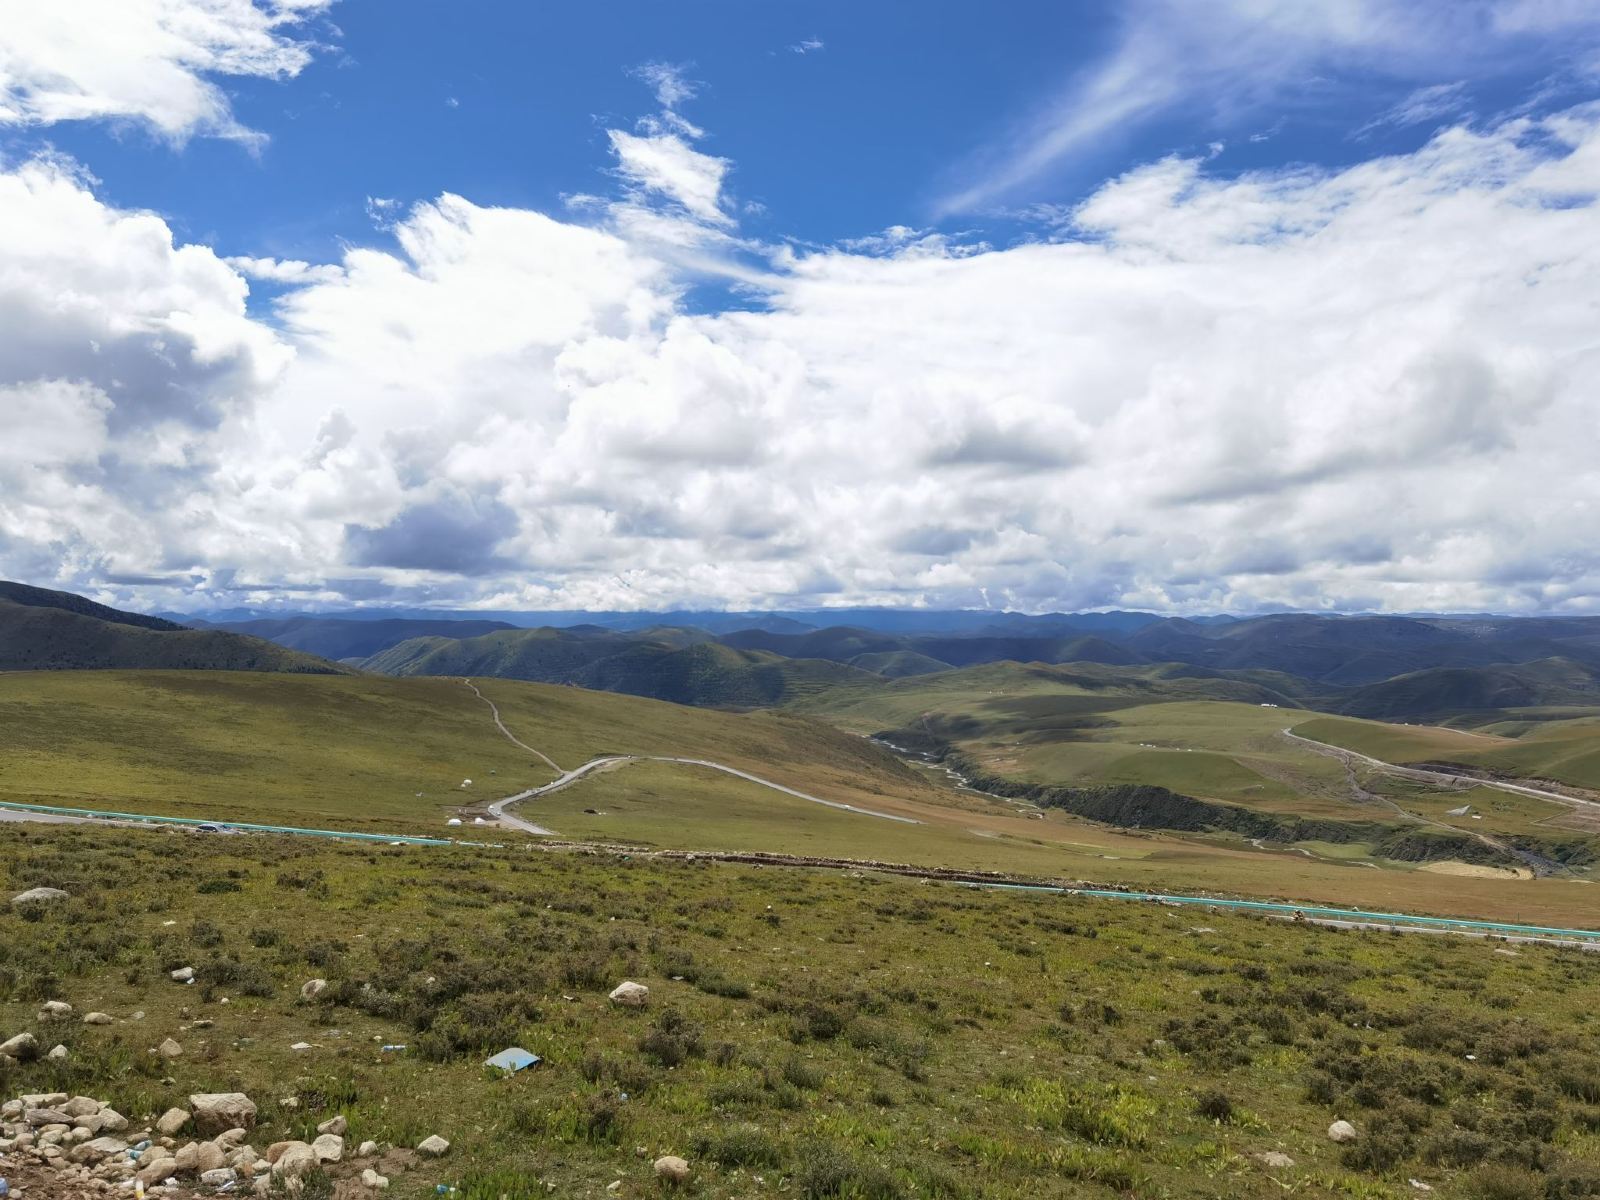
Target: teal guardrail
{"x": 1314, "y": 910}
{"x": 149, "y": 819}
{"x": 1460, "y": 924}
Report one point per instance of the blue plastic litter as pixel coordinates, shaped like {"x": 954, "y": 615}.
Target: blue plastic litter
{"x": 514, "y": 1059}
{"x": 5, "y": 1188}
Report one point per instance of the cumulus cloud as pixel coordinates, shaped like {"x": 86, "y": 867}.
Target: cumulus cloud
{"x": 1364, "y": 387}
{"x": 145, "y": 61}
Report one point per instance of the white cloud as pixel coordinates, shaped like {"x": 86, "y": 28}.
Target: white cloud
{"x": 1225, "y": 61}
{"x": 147, "y": 61}
{"x": 669, "y": 82}
{"x": 280, "y": 270}
{"x": 1431, "y": 103}
{"x": 1368, "y": 387}
{"x": 669, "y": 166}
{"x": 123, "y": 357}
{"x": 808, "y": 45}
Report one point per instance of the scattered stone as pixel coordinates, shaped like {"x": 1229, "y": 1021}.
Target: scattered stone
{"x": 312, "y": 988}
{"x": 296, "y": 1160}
{"x": 672, "y": 1170}
{"x": 244, "y": 1160}
{"x": 371, "y": 1179}
{"x": 156, "y": 1169}
{"x": 367, "y": 1149}
{"x": 111, "y": 1121}
{"x": 172, "y": 1121}
{"x": 209, "y": 1157}
{"x": 1274, "y": 1159}
{"x": 329, "y": 1148}
{"x": 24, "y": 1047}
{"x": 433, "y": 1146}
{"x": 58, "y": 1053}
{"x": 96, "y": 1018}
{"x": 40, "y": 895}
{"x": 229, "y": 1138}
{"x": 170, "y": 1049}
{"x": 334, "y": 1125}
{"x": 1342, "y": 1131}
{"x": 218, "y": 1177}
{"x": 188, "y": 1158}
{"x": 630, "y": 995}
{"x": 54, "y": 1010}
{"x": 99, "y": 1149}
{"x": 39, "y": 1118}
{"x": 182, "y": 975}
{"x": 218, "y": 1111}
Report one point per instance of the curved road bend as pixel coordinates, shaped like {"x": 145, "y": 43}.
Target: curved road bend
{"x": 497, "y": 808}
{"x": 1430, "y": 776}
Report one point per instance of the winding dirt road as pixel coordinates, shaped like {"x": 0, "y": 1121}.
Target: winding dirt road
{"x": 497, "y": 808}
{"x": 1425, "y": 775}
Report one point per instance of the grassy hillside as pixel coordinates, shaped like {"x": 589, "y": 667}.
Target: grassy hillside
{"x": 1452, "y": 692}
{"x": 664, "y": 664}
{"x": 36, "y": 597}
{"x": 1562, "y": 751}
{"x": 341, "y": 639}
{"x": 1131, "y": 745}
{"x": 354, "y": 752}
{"x": 808, "y": 1035}
{"x": 37, "y": 637}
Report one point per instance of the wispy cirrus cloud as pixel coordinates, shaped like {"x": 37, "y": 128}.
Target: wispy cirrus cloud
{"x": 1228, "y": 61}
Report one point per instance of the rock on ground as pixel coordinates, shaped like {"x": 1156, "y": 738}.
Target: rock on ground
{"x": 630, "y": 994}
{"x": 215, "y": 1112}
{"x": 24, "y": 1047}
{"x": 329, "y": 1148}
{"x": 1342, "y": 1131}
{"x": 672, "y": 1169}
{"x": 172, "y": 1121}
{"x": 433, "y": 1146}
{"x": 40, "y": 895}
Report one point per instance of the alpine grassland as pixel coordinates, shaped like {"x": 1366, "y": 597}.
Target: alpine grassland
{"x": 807, "y": 1034}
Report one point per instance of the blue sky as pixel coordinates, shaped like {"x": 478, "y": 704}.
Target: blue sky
{"x": 1212, "y": 306}
{"x": 899, "y": 108}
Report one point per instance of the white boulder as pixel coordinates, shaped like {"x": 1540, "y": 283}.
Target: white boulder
{"x": 630, "y": 995}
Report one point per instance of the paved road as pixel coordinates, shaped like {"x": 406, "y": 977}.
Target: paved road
{"x": 567, "y": 778}
{"x": 497, "y": 809}
{"x": 1431, "y": 776}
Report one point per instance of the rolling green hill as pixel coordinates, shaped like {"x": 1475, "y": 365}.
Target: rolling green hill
{"x": 57, "y": 631}
{"x": 354, "y": 751}
{"x": 337, "y": 639}
{"x": 671, "y": 665}
{"x": 1454, "y": 692}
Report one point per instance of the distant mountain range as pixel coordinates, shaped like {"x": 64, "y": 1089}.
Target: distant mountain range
{"x": 1398, "y": 668}
{"x": 41, "y": 630}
